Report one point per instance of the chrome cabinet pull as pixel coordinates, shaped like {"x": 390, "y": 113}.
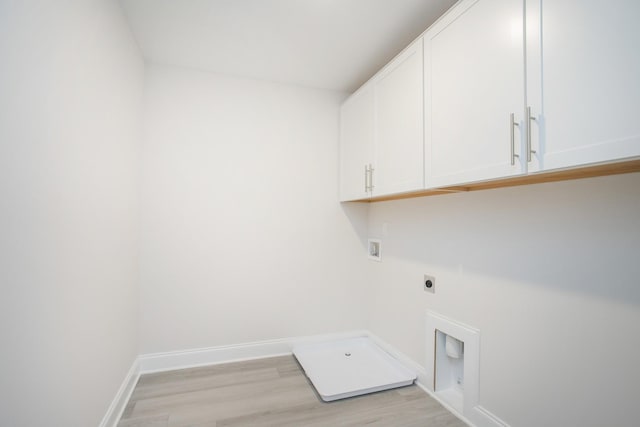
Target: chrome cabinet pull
{"x": 366, "y": 178}
{"x": 529, "y": 150}
{"x": 513, "y": 124}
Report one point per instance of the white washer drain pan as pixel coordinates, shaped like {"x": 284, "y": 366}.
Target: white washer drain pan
{"x": 351, "y": 367}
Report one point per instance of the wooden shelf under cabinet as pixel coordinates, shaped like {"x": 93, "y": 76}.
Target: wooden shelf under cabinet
{"x": 534, "y": 178}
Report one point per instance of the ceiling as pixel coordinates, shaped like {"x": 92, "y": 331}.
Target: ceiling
{"x": 327, "y": 44}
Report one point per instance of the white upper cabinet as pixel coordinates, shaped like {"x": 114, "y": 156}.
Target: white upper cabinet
{"x": 381, "y": 136}
{"x": 583, "y": 69}
{"x": 356, "y": 144}
{"x": 399, "y": 144}
{"x": 474, "y": 85}
{"x": 567, "y": 70}
{"x": 497, "y": 89}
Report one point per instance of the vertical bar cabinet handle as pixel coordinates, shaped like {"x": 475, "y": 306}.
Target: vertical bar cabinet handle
{"x": 512, "y": 125}
{"x": 529, "y": 150}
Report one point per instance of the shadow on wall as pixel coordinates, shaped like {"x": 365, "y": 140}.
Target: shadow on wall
{"x": 358, "y": 215}
{"x": 577, "y": 236}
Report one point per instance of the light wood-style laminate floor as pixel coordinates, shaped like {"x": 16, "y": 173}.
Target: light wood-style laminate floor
{"x": 269, "y": 392}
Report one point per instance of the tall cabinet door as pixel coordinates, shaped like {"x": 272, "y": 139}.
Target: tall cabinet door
{"x": 356, "y": 144}
{"x": 399, "y": 143}
{"x": 584, "y": 81}
{"x": 474, "y": 82}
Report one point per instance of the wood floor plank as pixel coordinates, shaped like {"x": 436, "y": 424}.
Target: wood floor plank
{"x": 269, "y": 392}
{"x": 315, "y": 411}
{"x": 151, "y": 421}
{"x": 177, "y": 385}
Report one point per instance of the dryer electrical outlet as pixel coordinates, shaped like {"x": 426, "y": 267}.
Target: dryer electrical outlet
{"x": 429, "y": 284}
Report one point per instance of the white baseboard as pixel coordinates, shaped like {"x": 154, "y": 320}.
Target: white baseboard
{"x": 158, "y": 362}
{"x": 488, "y": 418}
{"x": 119, "y": 402}
{"x": 480, "y": 416}
{"x": 419, "y": 369}
{"x": 423, "y": 377}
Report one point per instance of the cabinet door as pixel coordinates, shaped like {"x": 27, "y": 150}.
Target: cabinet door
{"x": 356, "y": 144}
{"x": 584, "y": 81}
{"x": 399, "y": 143}
{"x": 474, "y": 81}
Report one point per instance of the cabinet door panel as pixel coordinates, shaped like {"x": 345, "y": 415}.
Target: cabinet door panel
{"x": 399, "y": 144}
{"x": 474, "y": 80}
{"x": 356, "y": 144}
{"x": 589, "y": 101}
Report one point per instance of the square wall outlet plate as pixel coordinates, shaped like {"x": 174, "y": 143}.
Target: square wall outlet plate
{"x": 374, "y": 249}
{"x": 429, "y": 283}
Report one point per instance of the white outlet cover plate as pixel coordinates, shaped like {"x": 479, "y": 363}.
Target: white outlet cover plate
{"x": 374, "y": 249}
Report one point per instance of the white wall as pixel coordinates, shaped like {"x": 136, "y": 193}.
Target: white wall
{"x": 71, "y": 83}
{"x": 549, "y": 275}
{"x": 242, "y": 236}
